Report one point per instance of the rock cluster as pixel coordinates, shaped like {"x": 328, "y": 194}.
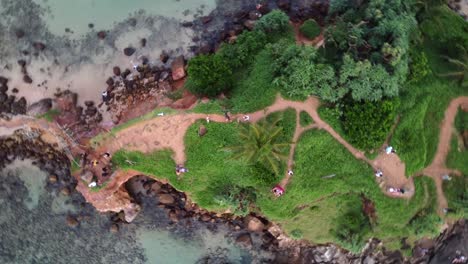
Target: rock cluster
{"x": 9, "y": 104}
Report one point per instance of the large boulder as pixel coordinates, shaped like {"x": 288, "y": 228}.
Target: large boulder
{"x": 254, "y": 224}
{"x": 129, "y": 51}
{"x": 67, "y": 101}
{"x": 166, "y": 199}
{"x": 39, "y": 108}
{"x": 244, "y": 240}
{"x": 177, "y": 68}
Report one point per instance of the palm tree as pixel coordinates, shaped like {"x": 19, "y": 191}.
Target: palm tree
{"x": 461, "y": 74}
{"x": 260, "y": 144}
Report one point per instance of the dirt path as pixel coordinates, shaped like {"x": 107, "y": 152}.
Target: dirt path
{"x": 438, "y": 168}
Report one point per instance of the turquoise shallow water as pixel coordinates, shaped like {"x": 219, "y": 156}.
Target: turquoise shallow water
{"x": 33, "y": 229}
{"x": 76, "y": 15}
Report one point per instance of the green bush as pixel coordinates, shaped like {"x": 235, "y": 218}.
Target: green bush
{"x": 352, "y": 226}
{"x": 208, "y": 75}
{"x": 274, "y": 21}
{"x": 305, "y": 118}
{"x": 296, "y": 234}
{"x": 310, "y": 29}
{"x": 367, "y": 124}
{"x": 242, "y": 52}
{"x": 456, "y": 191}
{"x": 419, "y": 66}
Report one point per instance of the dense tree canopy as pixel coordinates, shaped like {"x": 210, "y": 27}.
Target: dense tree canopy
{"x": 208, "y": 75}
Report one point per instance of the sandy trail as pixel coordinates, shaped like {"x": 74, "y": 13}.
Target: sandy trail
{"x": 438, "y": 168}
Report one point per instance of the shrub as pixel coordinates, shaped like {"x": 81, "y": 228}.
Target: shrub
{"x": 305, "y": 118}
{"x": 296, "y": 234}
{"x": 367, "y": 124}
{"x": 243, "y": 51}
{"x": 310, "y": 29}
{"x": 351, "y": 226}
{"x": 274, "y": 21}
{"x": 419, "y": 66}
{"x": 208, "y": 75}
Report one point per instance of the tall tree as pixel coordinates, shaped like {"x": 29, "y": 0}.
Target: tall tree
{"x": 260, "y": 145}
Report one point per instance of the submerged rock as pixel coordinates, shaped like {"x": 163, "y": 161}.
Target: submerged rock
{"x": 245, "y": 240}
{"x": 40, "y": 107}
{"x": 72, "y": 221}
{"x": 129, "y": 51}
{"x": 166, "y": 199}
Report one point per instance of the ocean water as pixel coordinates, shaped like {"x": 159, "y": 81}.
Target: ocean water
{"x": 78, "y": 60}
{"x": 33, "y": 229}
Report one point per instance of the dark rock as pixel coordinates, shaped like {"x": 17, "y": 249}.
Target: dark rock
{"x": 132, "y": 22}
{"x": 19, "y": 107}
{"x": 3, "y": 88}
{"x": 114, "y": 228}
{"x": 244, "y": 240}
{"x": 15, "y": 90}
{"x": 206, "y": 19}
{"x": 116, "y": 70}
{"x": 22, "y": 63}
{"x": 164, "y": 57}
{"x": 27, "y": 79}
{"x": 3, "y": 97}
{"x": 177, "y": 68}
{"x": 19, "y": 33}
{"x": 126, "y": 73}
{"x": 205, "y": 217}
{"x": 101, "y": 34}
{"x": 187, "y": 24}
{"x": 65, "y": 191}
{"x": 3, "y": 80}
{"x": 91, "y": 111}
{"x": 39, "y": 46}
{"x": 166, "y": 199}
{"x": 143, "y": 42}
{"x": 110, "y": 81}
{"x": 91, "y": 25}
{"x": 202, "y": 131}
{"x": 205, "y": 48}
{"x": 284, "y": 4}
{"x": 72, "y": 221}
{"x": 89, "y": 103}
{"x": 40, "y": 107}
{"x": 129, "y": 51}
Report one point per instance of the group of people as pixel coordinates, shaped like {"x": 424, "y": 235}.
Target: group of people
{"x": 98, "y": 166}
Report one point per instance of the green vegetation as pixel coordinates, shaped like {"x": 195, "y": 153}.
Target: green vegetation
{"x": 423, "y": 102}
{"x": 352, "y": 225}
{"x": 208, "y": 75}
{"x": 50, "y": 115}
{"x": 305, "y": 119}
{"x": 310, "y": 29}
{"x": 275, "y": 21}
{"x": 456, "y": 191}
{"x": 260, "y": 145}
{"x": 368, "y": 124}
